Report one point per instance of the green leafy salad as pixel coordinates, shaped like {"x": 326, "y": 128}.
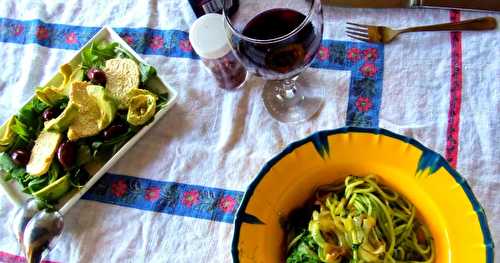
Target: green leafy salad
{"x": 56, "y": 140}
{"x": 355, "y": 222}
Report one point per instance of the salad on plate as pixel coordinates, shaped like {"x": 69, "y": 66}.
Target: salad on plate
{"x": 50, "y": 146}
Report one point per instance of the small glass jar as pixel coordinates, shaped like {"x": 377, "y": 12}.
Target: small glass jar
{"x": 208, "y": 38}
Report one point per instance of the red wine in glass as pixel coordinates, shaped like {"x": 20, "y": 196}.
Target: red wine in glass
{"x": 286, "y": 57}
{"x": 277, "y": 40}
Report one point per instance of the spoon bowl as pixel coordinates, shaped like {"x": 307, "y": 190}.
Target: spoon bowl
{"x": 23, "y": 215}
{"x": 41, "y": 233}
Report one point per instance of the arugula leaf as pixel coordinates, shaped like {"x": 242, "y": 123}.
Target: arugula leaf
{"x": 38, "y": 106}
{"x": 38, "y": 183}
{"x": 21, "y": 130}
{"x": 29, "y": 121}
{"x": 122, "y": 53}
{"x": 11, "y": 170}
{"x": 147, "y": 72}
{"x": 96, "y": 55}
{"x": 88, "y": 57}
{"x": 106, "y": 148}
{"x": 6, "y": 163}
{"x": 55, "y": 172}
{"x": 18, "y": 143}
{"x": 304, "y": 251}
{"x": 105, "y": 50}
{"x": 19, "y": 174}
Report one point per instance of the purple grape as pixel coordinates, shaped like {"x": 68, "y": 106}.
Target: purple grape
{"x": 97, "y": 76}
{"x": 50, "y": 114}
{"x": 66, "y": 153}
{"x": 20, "y": 157}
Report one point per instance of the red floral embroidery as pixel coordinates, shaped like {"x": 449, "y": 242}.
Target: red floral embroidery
{"x": 353, "y": 54}
{"x": 185, "y": 46}
{"x": 371, "y": 54}
{"x": 128, "y": 39}
{"x": 17, "y": 29}
{"x": 156, "y": 42}
{"x": 152, "y": 194}
{"x": 190, "y": 198}
{"x": 42, "y": 33}
{"x": 71, "y": 38}
{"x": 227, "y": 204}
{"x": 323, "y": 53}
{"x": 119, "y": 188}
{"x": 363, "y": 104}
{"x": 368, "y": 70}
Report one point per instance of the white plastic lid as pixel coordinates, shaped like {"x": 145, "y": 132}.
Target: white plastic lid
{"x": 208, "y": 36}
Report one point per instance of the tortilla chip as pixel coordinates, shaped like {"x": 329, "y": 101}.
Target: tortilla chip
{"x": 122, "y": 76}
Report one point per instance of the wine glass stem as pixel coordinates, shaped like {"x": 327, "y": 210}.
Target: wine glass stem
{"x": 288, "y": 91}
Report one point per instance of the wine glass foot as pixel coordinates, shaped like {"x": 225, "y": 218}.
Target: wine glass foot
{"x": 292, "y": 105}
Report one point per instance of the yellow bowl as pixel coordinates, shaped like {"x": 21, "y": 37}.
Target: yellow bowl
{"x": 443, "y": 198}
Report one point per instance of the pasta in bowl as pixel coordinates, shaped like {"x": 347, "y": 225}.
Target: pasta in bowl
{"x": 337, "y": 193}
{"x": 358, "y": 220}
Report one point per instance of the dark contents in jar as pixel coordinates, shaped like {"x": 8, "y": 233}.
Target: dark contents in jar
{"x": 227, "y": 70}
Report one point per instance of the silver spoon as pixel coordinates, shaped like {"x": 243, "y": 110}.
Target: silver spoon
{"x": 36, "y": 229}
{"x": 41, "y": 234}
{"x": 23, "y": 215}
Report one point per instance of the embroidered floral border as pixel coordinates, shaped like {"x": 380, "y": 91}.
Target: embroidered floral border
{"x": 172, "y": 43}
{"x": 365, "y": 61}
{"x": 166, "y": 197}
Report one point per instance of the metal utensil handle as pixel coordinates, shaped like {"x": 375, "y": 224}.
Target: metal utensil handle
{"x": 483, "y": 23}
{"x": 469, "y": 5}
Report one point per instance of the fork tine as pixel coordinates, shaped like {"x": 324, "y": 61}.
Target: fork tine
{"x": 361, "y": 30}
{"x": 358, "y": 34}
{"x": 358, "y": 25}
{"x": 358, "y": 38}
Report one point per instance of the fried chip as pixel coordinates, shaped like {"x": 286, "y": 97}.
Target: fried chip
{"x": 122, "y": 76}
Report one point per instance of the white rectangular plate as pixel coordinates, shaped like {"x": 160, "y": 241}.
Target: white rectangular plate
{"x": 13, "y": 191}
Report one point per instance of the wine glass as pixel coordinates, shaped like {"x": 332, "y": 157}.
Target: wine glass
{"x": 277, "y": 40}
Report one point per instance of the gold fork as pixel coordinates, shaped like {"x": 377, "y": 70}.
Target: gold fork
{"x": 382, "y": 34}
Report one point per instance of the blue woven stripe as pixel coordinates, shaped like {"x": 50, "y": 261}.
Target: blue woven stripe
{"x": 166, "y": 197}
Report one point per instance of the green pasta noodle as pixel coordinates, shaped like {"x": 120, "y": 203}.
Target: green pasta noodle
{"x": 360, "y": 221}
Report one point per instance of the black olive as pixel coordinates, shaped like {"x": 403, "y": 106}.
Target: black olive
{"x": 50, "y": 114}
{"x": 97, "y": 76}
{"x": 20, "y": 157}
{"x": 114, "y": 130}
{"x": 66, "y": 153}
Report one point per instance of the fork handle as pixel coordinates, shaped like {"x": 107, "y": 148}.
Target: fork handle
{"x": 483, "y": 23}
